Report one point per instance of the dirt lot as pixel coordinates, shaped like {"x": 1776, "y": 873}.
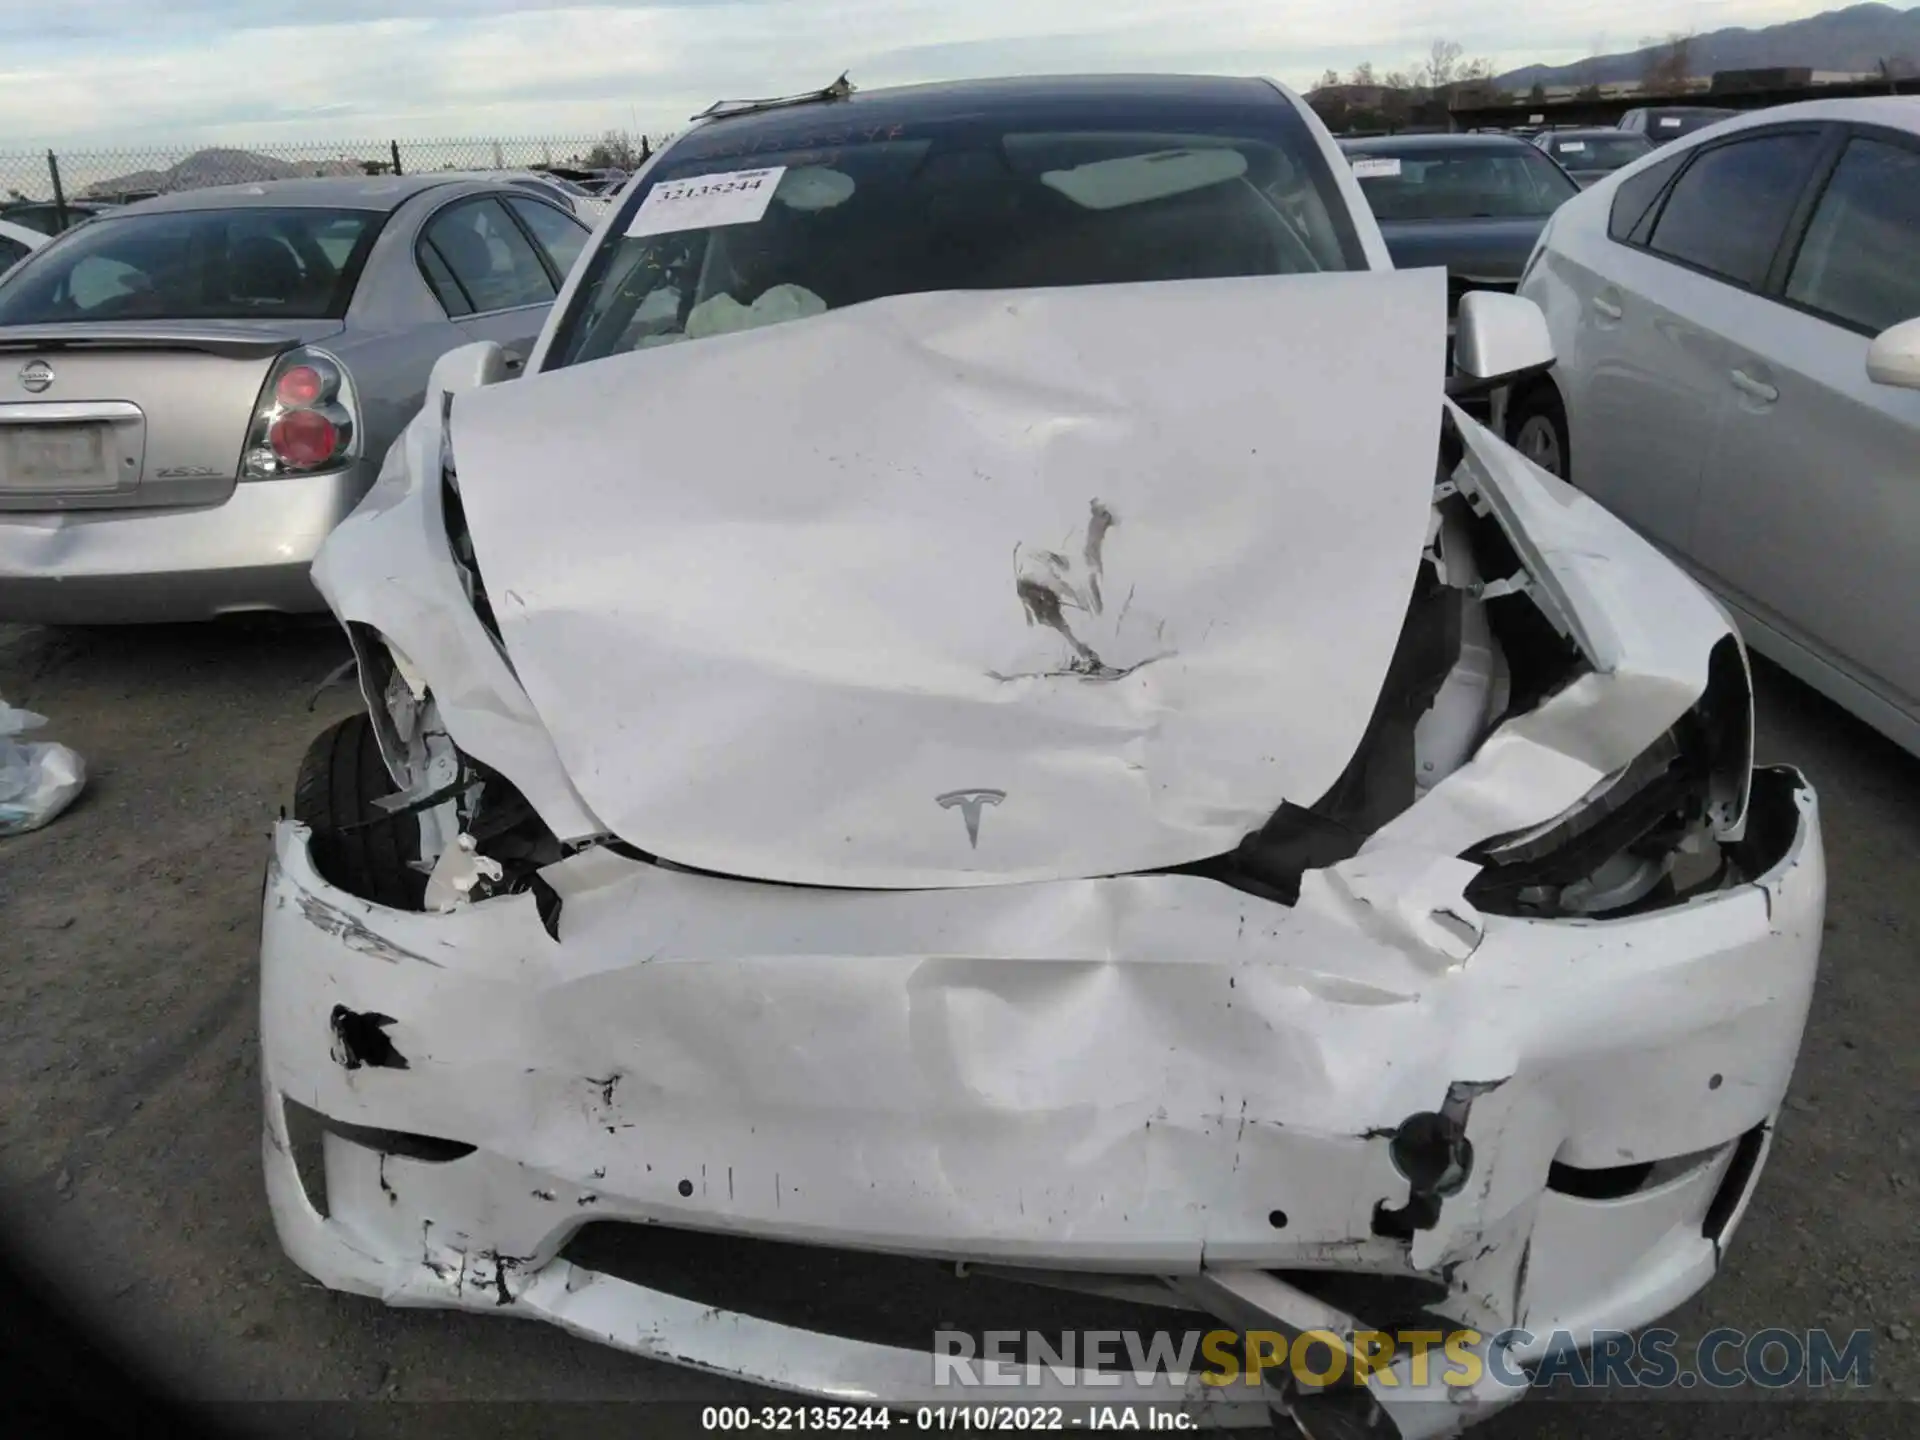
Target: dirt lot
{"x": 128, "y": 1070}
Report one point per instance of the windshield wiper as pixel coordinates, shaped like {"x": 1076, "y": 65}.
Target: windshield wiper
{"x": 838, "y": 90}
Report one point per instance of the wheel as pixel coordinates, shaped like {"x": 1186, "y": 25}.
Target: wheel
{"x": 1538, "y": 425}
{"x": 356, "y": 845}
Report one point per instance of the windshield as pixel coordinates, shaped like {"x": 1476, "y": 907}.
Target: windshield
{"x": 249, "y": 263}
{"x": 1598, "y": 152}
{"x": 1477, "y": 184}
{"x": 806, "y": 222}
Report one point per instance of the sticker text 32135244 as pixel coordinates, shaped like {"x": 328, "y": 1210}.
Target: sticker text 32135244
{"x": 727, "y": 197}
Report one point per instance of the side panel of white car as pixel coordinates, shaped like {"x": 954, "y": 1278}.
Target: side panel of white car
{"x": 1810, "y": 507}
{"x": 1640, "y": 372}
{"x": 1713, "y": 365}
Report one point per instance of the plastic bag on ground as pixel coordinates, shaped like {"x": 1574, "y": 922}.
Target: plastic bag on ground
{"x": 37, "y": 781}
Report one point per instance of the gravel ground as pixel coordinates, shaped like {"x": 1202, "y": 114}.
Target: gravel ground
{"x": 129, "y": 1101}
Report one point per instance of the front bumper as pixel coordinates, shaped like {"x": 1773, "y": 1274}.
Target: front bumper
{"x": 253, "y": 551}
{"x": 1149, "y": 1075}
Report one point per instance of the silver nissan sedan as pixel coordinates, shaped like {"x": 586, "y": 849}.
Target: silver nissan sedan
{"x": 196, "y": 389}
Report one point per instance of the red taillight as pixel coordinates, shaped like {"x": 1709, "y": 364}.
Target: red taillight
{"x": 301, "y": 385}
{"x": 303, "y": 438}
{"x": 306, "y": 420}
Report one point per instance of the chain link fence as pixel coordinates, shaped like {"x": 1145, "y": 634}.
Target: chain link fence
{"x": 47, "y": 190}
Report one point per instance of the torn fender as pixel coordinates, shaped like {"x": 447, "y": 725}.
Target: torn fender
{"x": 1645, "y": 629}
{"x": 386, "y": 568}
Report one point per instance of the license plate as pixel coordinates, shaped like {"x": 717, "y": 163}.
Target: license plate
{"x": 54, "y": 457}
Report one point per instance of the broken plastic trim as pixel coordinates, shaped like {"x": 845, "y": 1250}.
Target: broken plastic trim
{"x": 1735, "y": 1184}
{"x": 1689, "y": 782}
{"x": 840, "y": 89}
{"x": 460, "y": 547}
{"x": 360, "y": 1038}
{"x": 428, "y": 1149}
{"x": 1431, "y": 1152}
{"x": 1381, "y": 779}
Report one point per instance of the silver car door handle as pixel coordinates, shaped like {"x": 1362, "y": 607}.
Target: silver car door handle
{"x": 1607, "y": 308}
{"x": 1759, "y": 390}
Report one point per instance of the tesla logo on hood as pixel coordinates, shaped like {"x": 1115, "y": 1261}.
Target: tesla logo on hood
{"x": 970, "y": 802}
{"x": 35, "y": 376}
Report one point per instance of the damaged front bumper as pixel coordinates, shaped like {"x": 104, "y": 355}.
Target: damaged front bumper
{"x": 1153, "y": 1076}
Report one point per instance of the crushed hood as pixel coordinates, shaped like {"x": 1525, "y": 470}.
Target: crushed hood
{"x": 963, "y": 588}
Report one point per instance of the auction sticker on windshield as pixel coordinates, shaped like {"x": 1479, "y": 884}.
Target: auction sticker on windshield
{"x": 1376, "y": 168}
{"x": 728, "y": 197}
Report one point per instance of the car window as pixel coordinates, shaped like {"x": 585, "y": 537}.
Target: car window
{"x": 810, "y": 218}
{"x": 561, "y": 236}
{"x": 245, "y": 263}
{"x": 440, "y": 280}
{"x": 1598, "y": 152}
{"x": 1860, "y": 260}
{"x": 1461, "y": 184}
{"x": 491, "y": 263}
{"x": 33, "y": 217}
{"x": 1728, "y": 213}
{"x": 336, "y": 240}
{"x": 1636, "y": 194}
{"x": 11, "y": 250}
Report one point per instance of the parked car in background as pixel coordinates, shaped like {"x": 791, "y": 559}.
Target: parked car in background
{"x": 1737, "y": 321}
{"x": 1587, "y": 155}
{"x": 954, "y": 656}
{"x": 1471, "y": 203}
{"x": 606, "y": 184}
{"x": 49, "y": 218}
{"x": 16, "y": 243}
{"x": 569, "y": 195}
{"x": 1663, "y": 124}
{"x": 195, "y": 389}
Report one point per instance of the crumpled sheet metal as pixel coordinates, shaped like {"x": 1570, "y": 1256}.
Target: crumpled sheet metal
{"x": 827, "y": 572}
{"x": 1132, "y": 1073}
{"x": 1645, "y": 628}
{"x": 386, "y": 567}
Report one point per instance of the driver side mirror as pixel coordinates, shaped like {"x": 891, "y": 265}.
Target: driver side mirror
{"x": 467, "y": 367}
{"x": 1498, "y": 338}
{"x": 1894, "y": 357}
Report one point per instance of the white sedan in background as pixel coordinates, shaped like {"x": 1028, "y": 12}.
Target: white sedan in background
{"x": 1738, "y": 360}
{"x": 16, "y": 243}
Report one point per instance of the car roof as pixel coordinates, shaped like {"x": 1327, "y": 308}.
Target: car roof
{"x": 1899, "y": 112}
{"x": 952, "y": 99}
{"x": 342, "y": 192}
{"x": 1433, "y": 144}
{"x": 502, "y": 175}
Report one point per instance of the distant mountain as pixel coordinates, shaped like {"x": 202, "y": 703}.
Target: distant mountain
{"x": 1855, "y": 39}
{"x": 218, "y": 167}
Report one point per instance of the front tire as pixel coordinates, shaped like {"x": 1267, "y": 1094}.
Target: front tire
{"x": 1537, "y": 428}
{"x": 356, "y": 845}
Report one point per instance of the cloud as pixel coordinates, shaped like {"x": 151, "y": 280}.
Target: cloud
{"x": 100, "y": 73}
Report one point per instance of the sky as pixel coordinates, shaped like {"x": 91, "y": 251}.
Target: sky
{"x": 107, "y": 73}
